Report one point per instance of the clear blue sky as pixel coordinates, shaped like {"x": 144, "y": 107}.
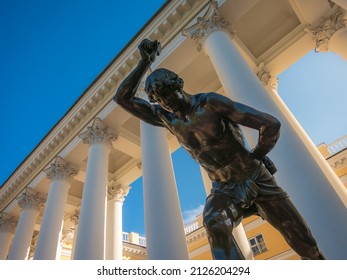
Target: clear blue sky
{"x": 51, "y": 51}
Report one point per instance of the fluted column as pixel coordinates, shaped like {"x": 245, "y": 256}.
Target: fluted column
{"x": 114, "y": 229}
{"x": 299, "y": 167}
{"x": 30, "y": 202}
{"x": 90, "y": 243}
{"x": 8, "y": 225}
{"x": 165, "y": 235}
{"x": 331, "y": 34}
{"x": 60, "y": 173}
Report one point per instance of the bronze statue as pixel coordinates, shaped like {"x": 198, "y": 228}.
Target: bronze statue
{"x": 207, "y": 127}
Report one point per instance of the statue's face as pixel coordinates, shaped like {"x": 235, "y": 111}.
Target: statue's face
{"x": 170, "y": 99}
{"x": 165, "y": 88}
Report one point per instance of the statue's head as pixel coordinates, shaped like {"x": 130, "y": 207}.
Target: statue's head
{"x": 162, "y": 82}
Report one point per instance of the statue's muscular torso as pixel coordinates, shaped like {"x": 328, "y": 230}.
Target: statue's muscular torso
{"x": 212, "y": 140}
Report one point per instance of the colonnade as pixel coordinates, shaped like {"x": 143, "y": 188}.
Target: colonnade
{"x": 89, "y": 223}
{"x": 98, "y": 224}
{"x": 302, "y": 171}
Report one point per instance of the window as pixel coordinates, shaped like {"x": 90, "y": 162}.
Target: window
{"x": 125, "y": 236}
{"x": 257, "y": 244}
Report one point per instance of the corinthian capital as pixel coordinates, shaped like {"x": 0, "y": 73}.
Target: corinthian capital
{"x": 8, "y": 223}
{"x": 117, "y": 191}
{"x": 75, "y": 217}
{"x": 265, "y": 77}
{"x": 209, "y": 22}
{"x": 98, "y": 133}
{"x": 326, "y": 29}
{"x": 67, "y": 236}
{"x": 60, "y": 169}
{"x": 31, "y": 199}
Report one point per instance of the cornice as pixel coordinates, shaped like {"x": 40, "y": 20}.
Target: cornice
{"x": 254, "y": 224}
{"x": 164, "y": 27}
{"x": 196, "y": 235}
{"x": 338, "y": 161}
{"x": 134, "y": 249}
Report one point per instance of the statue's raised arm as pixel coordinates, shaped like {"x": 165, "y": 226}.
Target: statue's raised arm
{"x": 125, "y": 95}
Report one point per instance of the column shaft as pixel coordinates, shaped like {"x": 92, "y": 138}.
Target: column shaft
{"x": 24, "y": 233}
{"x": 163, "y": 218}
{"x": 52, "y": 222}
{"x": 91, "y": 229}
{"x": 114, "y": 237}
{"x": 8, "y": 225}
{"x": 5, "y": 242}
{"x": 300, "y": 171}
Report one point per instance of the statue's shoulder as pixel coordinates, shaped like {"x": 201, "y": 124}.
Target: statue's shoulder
{"x": 209, "y": 97}
{"x": 206, "y": 96}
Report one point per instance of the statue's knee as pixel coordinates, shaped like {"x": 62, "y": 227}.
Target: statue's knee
{"x": 217, "y": 221}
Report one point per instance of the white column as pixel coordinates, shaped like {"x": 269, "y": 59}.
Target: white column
{"x": 60, "y": 173}
{"x": 331, "y": 34}
{"x": 30, "y": 202}
{"x": 7, "y": 229}
{"x": 90, "y": 243}
{"x": 301, "y": 168}
{"x": 271, "y": 85}
{"x": 114, "y": 229}
{"x": 165, "y": 234}
{"x": 238, "y": 232}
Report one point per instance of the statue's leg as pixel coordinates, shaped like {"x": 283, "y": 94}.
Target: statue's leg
{"x": 220, "y": 217}
{"x": 283, "y": 215}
